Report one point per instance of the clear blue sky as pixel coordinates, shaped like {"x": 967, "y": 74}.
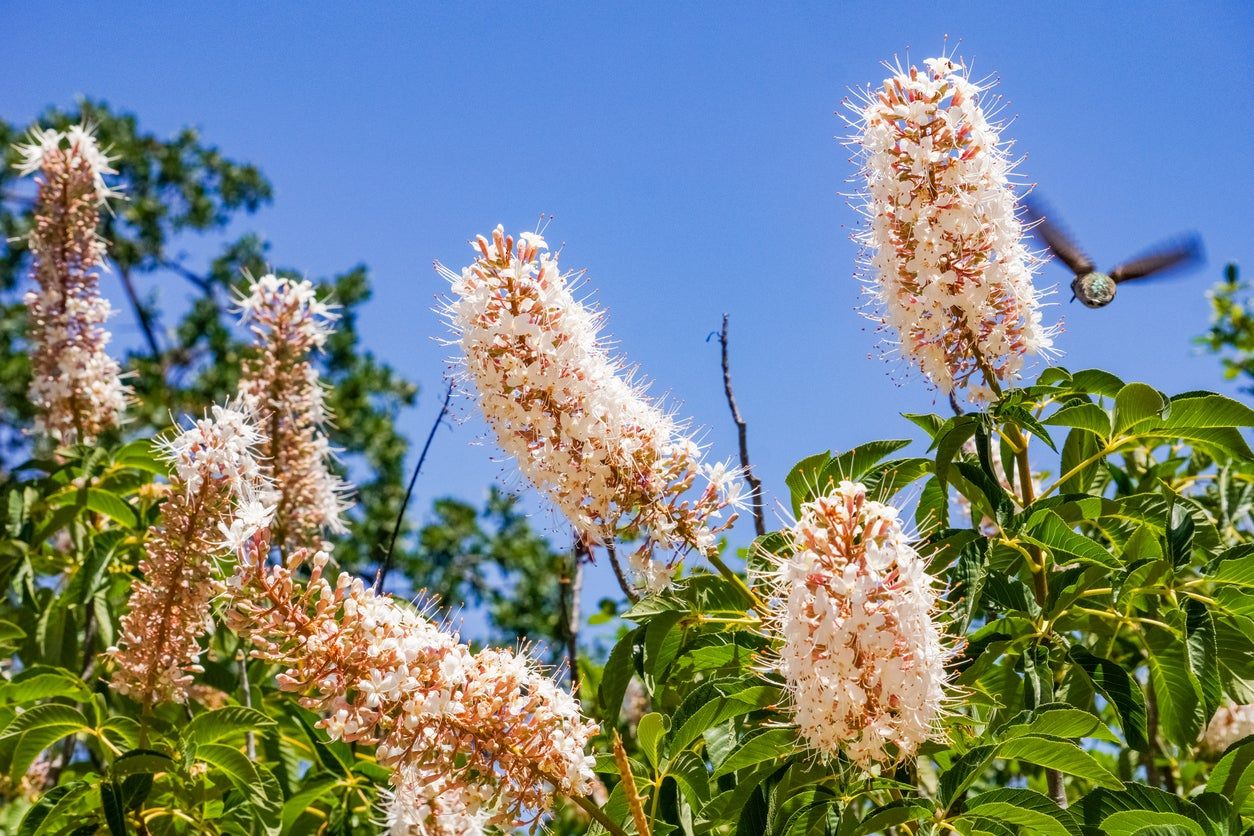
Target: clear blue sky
{"x": 689, "y": 155}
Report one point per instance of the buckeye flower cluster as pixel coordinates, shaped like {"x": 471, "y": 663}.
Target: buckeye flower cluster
{"x": 280, "y": 383}
{"x": 853, "y": 610}
{"x": 75, "y": 387}
{"x": 610, "y": 458}
{"x": 943, "y": 248}
{"x": 216, "y": 496}
{"x": 485, "y": 738}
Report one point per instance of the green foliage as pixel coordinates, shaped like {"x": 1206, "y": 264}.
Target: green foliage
{"x": 1231, "y": 333}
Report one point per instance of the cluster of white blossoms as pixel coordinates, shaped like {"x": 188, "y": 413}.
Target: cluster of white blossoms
{"x": 852, "y": 608}
{"x": 1230, "y": 724}
{"x": 75, "y": 386}
{"x": 421, "y": 804}
{"x": 943, "y": 249}
{"x": 214, "y": 498}
{"x": 608, "y": 457}
{"x": 281, "y": 385}
{"x": 489, "y": 730}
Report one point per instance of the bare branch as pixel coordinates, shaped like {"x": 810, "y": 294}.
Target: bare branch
{"x": 571, "y": 588}
{"x": 382, "y": 574}
{"x": 145, "y": 324}
{"x": 742, "y": 433}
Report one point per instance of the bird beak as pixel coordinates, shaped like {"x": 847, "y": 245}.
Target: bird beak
{"x": 1072, "y": 297}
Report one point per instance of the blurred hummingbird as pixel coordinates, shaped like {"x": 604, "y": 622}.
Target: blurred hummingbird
{"x": 1095, "y": 289}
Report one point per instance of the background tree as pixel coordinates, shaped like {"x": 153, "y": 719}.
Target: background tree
{"x": 174, "y": 190}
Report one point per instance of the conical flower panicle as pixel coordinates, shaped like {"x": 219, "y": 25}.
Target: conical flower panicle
{"x": 423, "y": 803}
{"x": 500, "y": 734}
{"x": 214, "y": 485}
{"x": 607, "y": 456}
{"x": 281, "y": 385}
{"x": 853, "y": 613}
{"x": 1230, "y": 724}
{"x": 76, "y": 386}
{"x": 943, "y": 248}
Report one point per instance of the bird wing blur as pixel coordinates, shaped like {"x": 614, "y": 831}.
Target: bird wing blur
{"x": 1060, "y": 244}
{"x": 1160, "y": 260}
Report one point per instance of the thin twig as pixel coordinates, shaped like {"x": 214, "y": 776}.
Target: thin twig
{"x": 742, "y": 431}
{"x": 382, "y": 574}
{"x": 623, "y": 583}
{"x": 953, "y": 403}
{"x": 145, "y": 324}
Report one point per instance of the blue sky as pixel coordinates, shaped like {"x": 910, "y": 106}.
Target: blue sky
{"x": 689, "y": 155}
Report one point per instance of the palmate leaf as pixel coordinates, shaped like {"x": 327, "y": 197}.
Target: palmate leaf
{"x": 1138, "y": 806}
{"x": 1083, "y": 416}
{"x": 1174, "y": 679}
{"x": 1045, "y": 528}
{"x": 1233, "y": 776}
{"x": 212, "y": 726}
{"x": 1033, "y": 812}
{"x": 814, "y": 475}
{"x": 768, "y": 745}
{"x": 1061, "y": 755}
{"x": 36, "y": 729}
{"x": 703, "y": 709}
{"x": 619, "y": 669}
{"x": 98, "y": 500}
{"x": 253, "y": 781}
{"x": 57, "y": 810}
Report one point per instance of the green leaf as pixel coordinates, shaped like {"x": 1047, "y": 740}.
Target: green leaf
{"x": 1150, "y": 823}
{"x": 1174, "y": 681}
{"x": 1047, "y": 529}
{"x": 930, "y": 423}
{"x": 35, "y": 730}
{"x": 1120, "y": 689}
{"x": 43, "y": 682}
{"x": 804, "y": 480}
{"x": 1061, "y": 722}
{"x": 111, "y": 803}
{"x": 1208, "y": 410}
{"x": 766, "y": 746}
{"x": 10, "y": 633}
{"x": 100, "y": 501}
{"x": 619, "y": 669}
{"x": 212, "y": 726}
{"x": 1138, "y": 405}
{"x": 1030, "y": 810}
{"x": 880, "y": 819}
{"x": 1096, "y": 382}
{"x": 141, "y": 455}
{"x": 888, "y": 479}
{"x": 1079, "y": 447}
{"x": 702, "y": 711}
{"x": 949, "y": 441}
{"x": 1060, "y": 755}
{"x": 313, "y": 789}
{"x": 1233, "y": 776}
{"x": 649, "y": 733}
{"x": 1083, "y": 416}
{"x": 855, "y": 463}
{"x": 51, "y": 812}
{"x": 256, "y": 784}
